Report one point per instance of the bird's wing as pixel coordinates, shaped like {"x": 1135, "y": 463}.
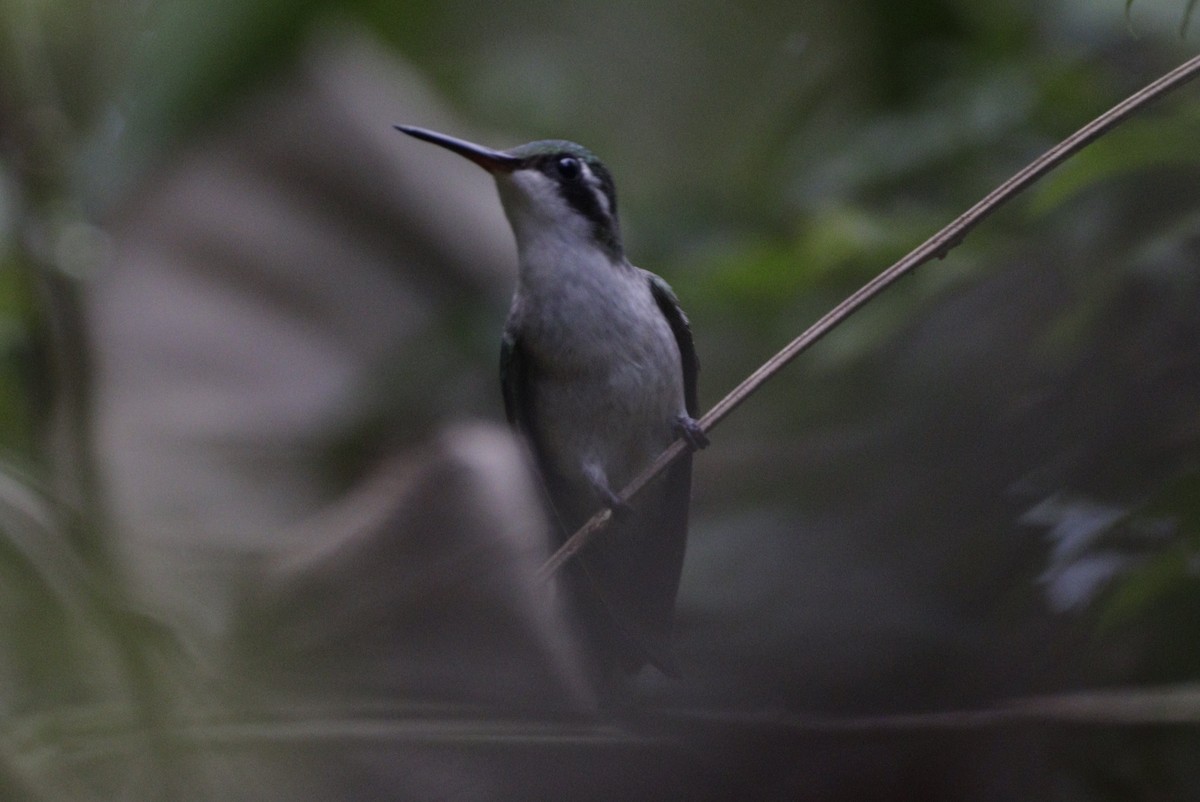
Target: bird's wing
{"x": 664, "y": 296}
{"x": 517, "y": 374}
{"x": 513, "y": 380}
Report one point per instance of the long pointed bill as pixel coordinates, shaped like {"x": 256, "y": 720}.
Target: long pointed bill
{"x": 494, "y": 161}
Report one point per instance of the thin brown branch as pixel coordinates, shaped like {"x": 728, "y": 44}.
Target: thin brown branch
{"x": 936, "y": 246}
{"x": 1166, "y": 705}
{"x": 1111, "y": 709}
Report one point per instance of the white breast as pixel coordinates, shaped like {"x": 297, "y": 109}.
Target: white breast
{"x": 609, "y": 376}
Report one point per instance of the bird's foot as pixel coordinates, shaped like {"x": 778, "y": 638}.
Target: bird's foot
{"x": 619, "y": 507}
{"x": 604, "y": 493}
{"x": 689, "y": 429}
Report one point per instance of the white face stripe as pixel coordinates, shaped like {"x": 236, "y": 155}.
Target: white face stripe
{"x": 536, "y": 209}
{"x": 539, "y": 190}
{"x": 543, "y": 201}
{"x": 595, "y": 186}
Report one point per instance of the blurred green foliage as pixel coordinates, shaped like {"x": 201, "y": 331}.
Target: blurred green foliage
{"x": 19, "y": 391}
{"x": 771, "y": 157}
{"x": 1170, "y": 569}
{"x": 1184, "y": 21}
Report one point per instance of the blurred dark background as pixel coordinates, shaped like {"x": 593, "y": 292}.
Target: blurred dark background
{"x": 263, "y": 535}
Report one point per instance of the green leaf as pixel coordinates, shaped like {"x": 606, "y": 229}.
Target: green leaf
{"x": 1136, "y": 146}
{"x": 1145, "y": 586}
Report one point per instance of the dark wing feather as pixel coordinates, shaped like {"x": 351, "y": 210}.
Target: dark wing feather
{"x": 664, "y": 296}
{"x": 601, "y": 623}
{"x": 518, "y": 386}
{"x": 512, "y": 378}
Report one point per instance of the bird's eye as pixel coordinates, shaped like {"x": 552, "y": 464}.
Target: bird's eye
{"x": 569, "y": 168}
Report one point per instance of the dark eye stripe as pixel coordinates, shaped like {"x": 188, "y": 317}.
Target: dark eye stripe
{"x": 585, "y": 197}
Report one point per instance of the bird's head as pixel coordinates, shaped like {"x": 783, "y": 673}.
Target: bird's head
{"x": 549, "y": 188}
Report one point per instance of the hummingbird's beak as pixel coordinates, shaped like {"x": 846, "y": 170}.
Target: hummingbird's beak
{"x": 494, "y": 161}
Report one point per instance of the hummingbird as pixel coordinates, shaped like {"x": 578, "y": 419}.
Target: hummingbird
{"x": 598, "y": 372}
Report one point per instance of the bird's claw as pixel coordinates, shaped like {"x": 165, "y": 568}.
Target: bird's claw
{"x": 620, "y": 509}
{"x": 689, "y": 429}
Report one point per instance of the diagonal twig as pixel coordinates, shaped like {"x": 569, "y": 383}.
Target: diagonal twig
{"x": 936, "y": 246}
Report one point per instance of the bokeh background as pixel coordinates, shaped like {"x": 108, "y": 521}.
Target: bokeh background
{"x": 263, "y": 535}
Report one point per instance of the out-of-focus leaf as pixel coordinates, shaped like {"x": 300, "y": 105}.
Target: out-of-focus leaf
{"x": 1184, "y": 21}
{"x": 776, "y": 272}
{"x": 188, "y": 62}
{"x": 1140, "y": 588}
{"x": 1138, "y": 145}
{"x": 1174, "y": 568}
{"x": 1180, "y": 501}
{"x": 18, "y": 381}
{"x": 899, "y": 150}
